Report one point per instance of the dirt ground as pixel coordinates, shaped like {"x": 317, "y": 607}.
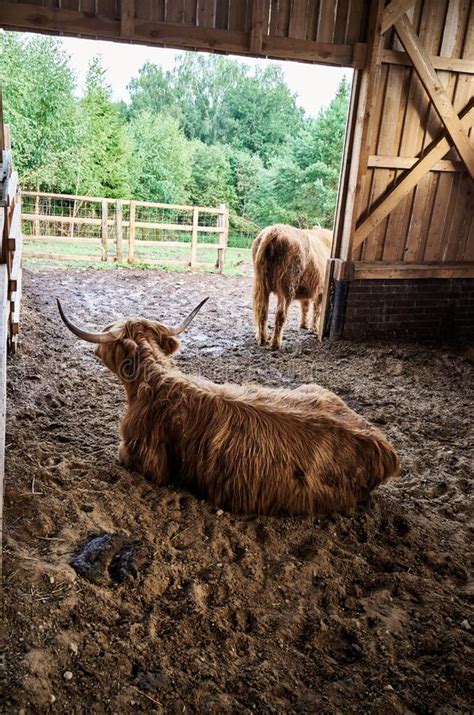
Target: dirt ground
{"x": 199, "y": 611}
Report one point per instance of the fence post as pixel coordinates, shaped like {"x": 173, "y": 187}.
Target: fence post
{"x": 105, "y": 230}
{"x": 131, "y": 232}
{"x": 194, "y": 237}
{"x": 36, "y": 225}
{"x": 222, "y": 222}
{"x": 118, "y": 231}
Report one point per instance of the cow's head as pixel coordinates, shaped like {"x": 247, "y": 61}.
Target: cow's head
{"x": 117, "y": 345}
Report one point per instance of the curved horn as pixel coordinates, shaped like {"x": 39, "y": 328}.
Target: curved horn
{"x": 181, "y": 328}
{"x": 83, "y": 334}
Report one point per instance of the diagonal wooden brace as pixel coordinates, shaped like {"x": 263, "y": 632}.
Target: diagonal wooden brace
{"x": 441, "y": 102}
{"x": 410, "y": 180}
{"x": 393, "y": 12}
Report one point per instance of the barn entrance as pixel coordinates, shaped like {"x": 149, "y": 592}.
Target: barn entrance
{"x": 403, "y": 217}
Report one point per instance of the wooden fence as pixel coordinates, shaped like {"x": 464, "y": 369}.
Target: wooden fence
{"x": 10, "y": 260}
{"x": 121, "y": 229}
{"x": 10, "y": 279}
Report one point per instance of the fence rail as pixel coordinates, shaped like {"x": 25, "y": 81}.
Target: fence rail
{"x": 123, "y": 227}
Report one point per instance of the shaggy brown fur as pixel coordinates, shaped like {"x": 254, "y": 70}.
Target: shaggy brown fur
{"x": 290, "y": 262}
{"x": 249, "y": 449}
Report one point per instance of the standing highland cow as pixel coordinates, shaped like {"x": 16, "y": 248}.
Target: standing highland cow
{"x": 290, "y": 262}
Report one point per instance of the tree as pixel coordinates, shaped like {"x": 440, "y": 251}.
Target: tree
{"x": 300, "y": 185}
{"x": 151, "y": 90}
{"x": 38, "y": 93}
{"x": 260, "y": 114}
{"x": 105, "y": 147}
{"x": 246, "y": 169}
{"x": 211, "y": 176}
{"x": 161, "y": 166}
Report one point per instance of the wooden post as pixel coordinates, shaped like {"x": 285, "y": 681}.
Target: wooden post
{"x": 4, "y": 305}
{"x": 131, "y": 232}
{"x": 118, "y": 231}
{"x": 36, "y": 224}
{"x": 222, "y": 222}
{"x": 194, "y": 237}
{"x": 105, "y": 230}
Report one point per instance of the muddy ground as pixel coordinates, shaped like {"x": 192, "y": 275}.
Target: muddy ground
{"x": 198, "y": 611}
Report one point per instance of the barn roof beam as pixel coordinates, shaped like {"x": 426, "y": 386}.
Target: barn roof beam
{"x": 37, "y": 18}
{"x": 441, "y": 102}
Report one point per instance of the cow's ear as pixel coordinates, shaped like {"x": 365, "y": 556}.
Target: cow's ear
{"x": 169, "y": 344}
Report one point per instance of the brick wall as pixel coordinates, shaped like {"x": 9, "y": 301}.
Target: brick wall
{"x": 424, "y": 309}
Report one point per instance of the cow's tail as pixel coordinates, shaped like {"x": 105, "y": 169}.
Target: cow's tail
{"x": 278, "y": 264}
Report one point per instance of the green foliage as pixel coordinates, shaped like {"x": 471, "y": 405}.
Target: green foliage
{"x": 150, "y": 90}
{"x": 39, "y": 104}
{"x": 160, "y": 164}
{"x": 246, "y": 170}
{"x": 210, "y": 183}
{"x": 261, "y": 114}
{"x": 211, "y": 130}
{"x": 103, "y": 170}
{"x": 300, "y": 185}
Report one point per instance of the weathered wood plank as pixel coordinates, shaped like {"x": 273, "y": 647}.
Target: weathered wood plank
{"x": 327, "y": 20}
{"x": 360, "y": 127}
{"x": 382, "y": 269}
{"x": 297, "y": 24}
{"x": 449, "y": 64}
{"x": 127, "y": 18}
{"x": 406, "y": 162}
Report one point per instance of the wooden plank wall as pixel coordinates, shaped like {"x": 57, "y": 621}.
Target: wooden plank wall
{"x": 434, "y": 222}
{"x": 324, "y": 31}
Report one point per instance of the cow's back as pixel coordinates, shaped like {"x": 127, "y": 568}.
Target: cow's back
{"x": 280, "y": 255}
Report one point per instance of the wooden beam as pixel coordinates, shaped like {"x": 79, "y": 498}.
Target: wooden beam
{"x": 436, "y": 91}
{"x": 4, "y": 316}
{"x": 127, "y": 18}
{"x": 39, "y": 18}
{"x": 256, "y": 33}
{"x": 447, "y": 64}
{"x": 410, "y": 180}
{"x": 393, "y": 12}
{"x": 357, "y": 147}
{"x": 379, "y": 270}
{"x": 309, "y": 51}
{"x": 406, "y": 162}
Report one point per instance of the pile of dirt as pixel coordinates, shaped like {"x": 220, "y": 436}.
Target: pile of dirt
{"x": 121, "y": 597}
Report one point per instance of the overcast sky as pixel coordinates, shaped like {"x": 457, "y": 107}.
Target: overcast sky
{"x": 315, "y": 85}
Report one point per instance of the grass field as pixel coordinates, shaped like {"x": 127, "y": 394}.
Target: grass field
{"x": 237, "y": 261}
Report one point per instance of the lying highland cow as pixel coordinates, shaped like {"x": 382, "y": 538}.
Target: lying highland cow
{"x": 249, "y": 449}
{"x": 290, "y": 262}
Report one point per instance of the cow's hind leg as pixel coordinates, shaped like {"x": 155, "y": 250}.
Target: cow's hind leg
{"x": 304, "y": 314}
{"x": 261, "y": 298}
{"x": 280, "y": 320}
{"x": 316, "y": 311}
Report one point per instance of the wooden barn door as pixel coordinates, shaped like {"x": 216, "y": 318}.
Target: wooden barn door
{"x": 405, "y": 202}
